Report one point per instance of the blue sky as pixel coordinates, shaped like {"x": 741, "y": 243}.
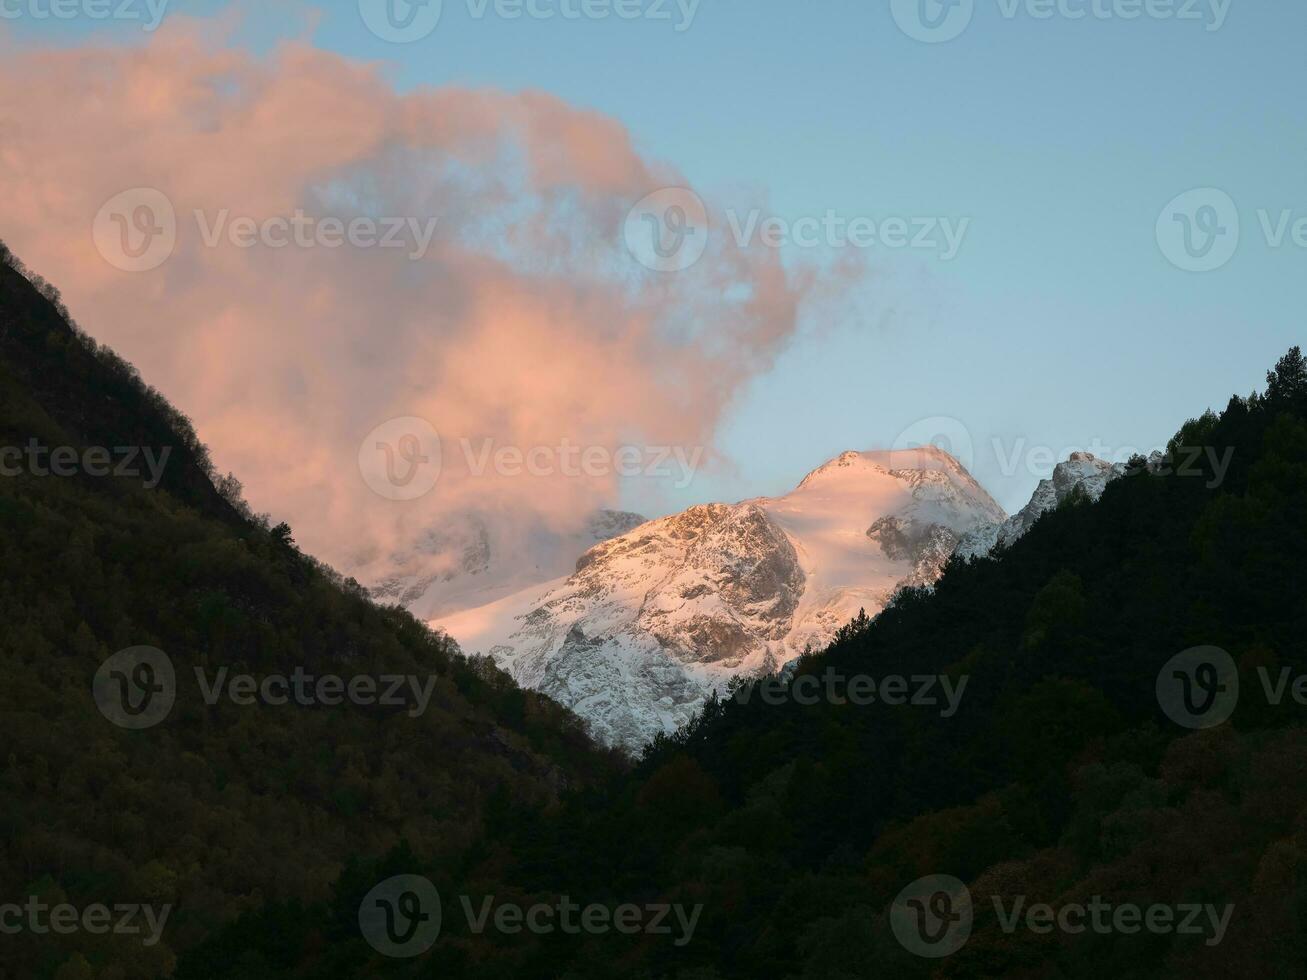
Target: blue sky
{"x": 1060, "y": 322}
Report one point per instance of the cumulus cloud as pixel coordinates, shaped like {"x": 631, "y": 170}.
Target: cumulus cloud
{"x": 523, "y": 322}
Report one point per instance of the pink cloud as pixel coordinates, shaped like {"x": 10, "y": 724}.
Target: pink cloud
{"x": 526, "y": 322}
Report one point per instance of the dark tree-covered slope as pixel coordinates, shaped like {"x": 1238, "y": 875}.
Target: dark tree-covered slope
{"x": 1059, "y": 779}
{"x": 218, "y": 808}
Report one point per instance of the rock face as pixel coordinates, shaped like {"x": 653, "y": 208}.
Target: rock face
{"x": 1081, "y": 473}
{"x": 655, "y": 619}
{"x": 632, "y": 639}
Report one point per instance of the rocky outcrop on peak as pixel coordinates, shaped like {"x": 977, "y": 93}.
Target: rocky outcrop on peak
{"x": 1081, "y": 474}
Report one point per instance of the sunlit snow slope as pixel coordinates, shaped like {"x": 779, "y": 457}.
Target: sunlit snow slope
{"x": 653, "y": 620}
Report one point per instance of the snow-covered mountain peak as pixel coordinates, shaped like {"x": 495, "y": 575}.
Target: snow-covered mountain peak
{"x": 851, "y": 466}
{"x": 653, "y": 620}
{"x": 914, "y": 489}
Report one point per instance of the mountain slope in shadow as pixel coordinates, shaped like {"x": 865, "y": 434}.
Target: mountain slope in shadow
{"x": 229, "y": 799}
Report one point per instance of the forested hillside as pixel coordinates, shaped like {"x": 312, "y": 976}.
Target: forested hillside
{"x": 1059, "y": 779}
{"x": 1044, "y": 764}
{"x": 216, "y": 809}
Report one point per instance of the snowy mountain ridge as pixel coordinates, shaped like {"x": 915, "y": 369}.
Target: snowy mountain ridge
{"x": 653, "y": 620}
